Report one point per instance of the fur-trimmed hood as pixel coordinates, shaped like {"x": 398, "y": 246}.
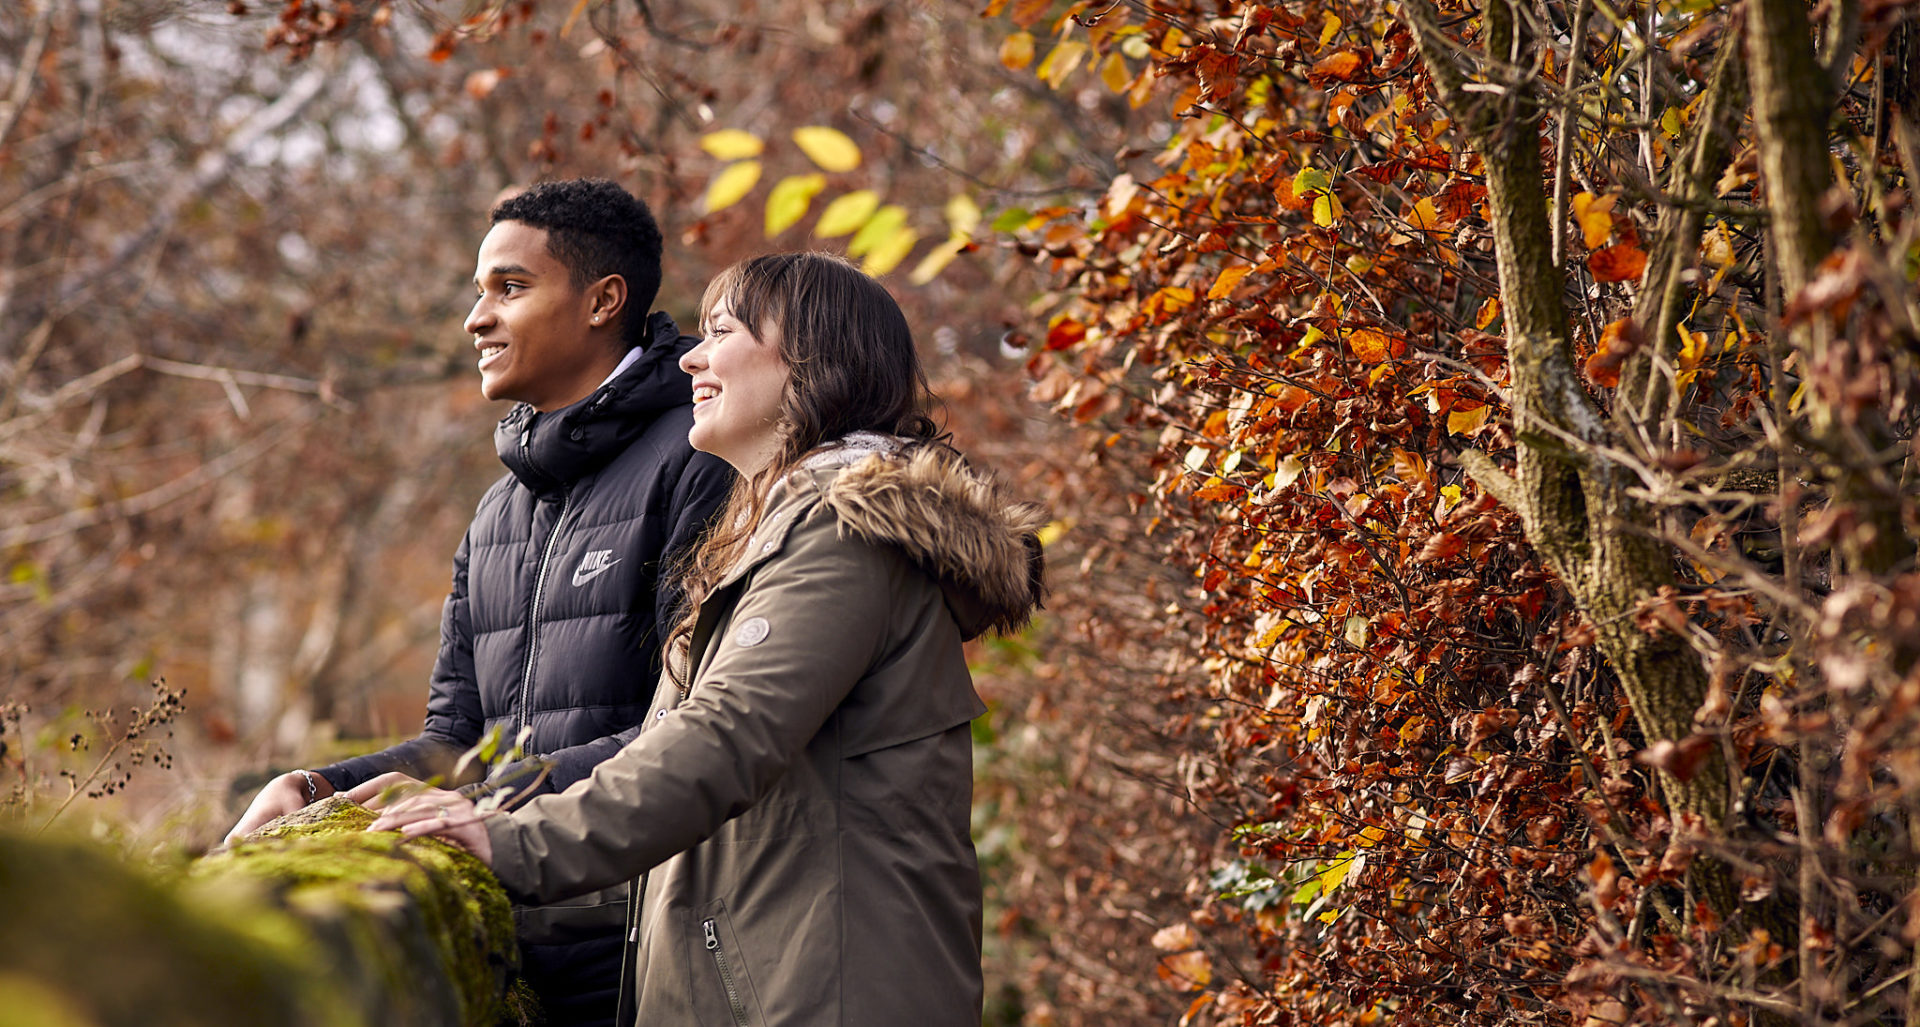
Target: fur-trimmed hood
{"x": 956, "y": 523}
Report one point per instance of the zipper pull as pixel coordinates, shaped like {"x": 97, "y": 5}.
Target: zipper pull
{"x": 713, "y": 936}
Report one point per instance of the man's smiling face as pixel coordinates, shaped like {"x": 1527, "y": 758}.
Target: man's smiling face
{"x": 533, "y": 326}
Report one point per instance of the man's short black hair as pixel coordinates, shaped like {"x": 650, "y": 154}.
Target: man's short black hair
{"x": 596, "y": 229}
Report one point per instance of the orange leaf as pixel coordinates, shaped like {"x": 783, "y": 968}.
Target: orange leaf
{"x": 1604, "y": 370}
{"x": 1340, "y": 66}
{"x": 1223, "y": 285}
{"x": 1489, "y": 311}
{"x": 1187, "y": 971}
{"x": 1373, "y": 346}
{"x": 1219, "y": 492}
{"x": 1026, "y": 12}
{"x": 1595, "y": 217}
{"x": 1218, "y": 72}
{"x": 1441, "y": 546}
{"x": 1621, "y": 262}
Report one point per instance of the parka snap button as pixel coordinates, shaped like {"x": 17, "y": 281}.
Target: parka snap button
{"x": 660, "y": 714}
{"x": 767, "y": 547}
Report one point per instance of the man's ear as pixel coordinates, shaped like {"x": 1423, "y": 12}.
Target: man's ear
{"x": 608, "y": 298}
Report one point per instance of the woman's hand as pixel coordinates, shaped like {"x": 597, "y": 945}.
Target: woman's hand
{"x": 415, "y": 809}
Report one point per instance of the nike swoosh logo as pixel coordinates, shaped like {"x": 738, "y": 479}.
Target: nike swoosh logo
{"x": 581, "y": 575}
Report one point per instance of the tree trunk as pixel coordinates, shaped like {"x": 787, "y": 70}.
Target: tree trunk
{"x": 1573, "y": 501}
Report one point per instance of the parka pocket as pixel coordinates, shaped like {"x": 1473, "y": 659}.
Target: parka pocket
{"x": 722, "y": 989}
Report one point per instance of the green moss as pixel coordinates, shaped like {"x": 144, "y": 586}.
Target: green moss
{"x": 316, "y": 922}
{"x": 117, "y": 947}
{"x": 455, "y": 925}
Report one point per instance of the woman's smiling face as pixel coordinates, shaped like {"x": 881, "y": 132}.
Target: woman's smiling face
{"x": 739, "y": 382}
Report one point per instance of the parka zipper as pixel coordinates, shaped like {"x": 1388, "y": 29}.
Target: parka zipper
{"x": 533, "y": 615}
{"x": 726, "y": 973}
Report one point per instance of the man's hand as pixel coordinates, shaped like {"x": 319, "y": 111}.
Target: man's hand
{"x": 414, "y": 809}
{"x": 282, "y": 795}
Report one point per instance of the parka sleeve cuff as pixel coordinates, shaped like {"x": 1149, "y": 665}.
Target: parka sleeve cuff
{"x": 510, "y": 862}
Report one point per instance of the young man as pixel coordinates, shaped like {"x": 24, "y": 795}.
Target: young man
{"x": 559, "y": 603}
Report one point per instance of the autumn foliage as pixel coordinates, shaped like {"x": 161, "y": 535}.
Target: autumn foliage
{"x": 1455, "y": 784}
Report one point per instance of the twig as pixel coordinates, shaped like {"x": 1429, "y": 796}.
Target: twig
{"x": 1563, "y": 132}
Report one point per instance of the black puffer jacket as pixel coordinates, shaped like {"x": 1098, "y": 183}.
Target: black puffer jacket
{"x": 557, "y": 608}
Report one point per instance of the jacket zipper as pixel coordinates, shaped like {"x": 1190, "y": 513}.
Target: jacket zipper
{"x": 533, "y": 616}
{"x": 726, "y": 973}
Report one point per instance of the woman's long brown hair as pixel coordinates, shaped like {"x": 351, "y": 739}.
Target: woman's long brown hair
{"x": 852, "y": 367}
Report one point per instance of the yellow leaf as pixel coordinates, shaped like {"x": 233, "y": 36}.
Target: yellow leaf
{"x": 1113, "y": 72}
{"x": 828, "y": 147}
{"x": 1052, "y": 532}
{"x": 1462, "y": 422}
{"x": 963, "y": 215}
{"x": 1016, "y": 51}
{"x": 787, "y": 203}
{"x": 937, "y": 260}
{"x": 1336, "y": 873}
{"x": 1359, "y": 264}
{"x": 732, "y": 184}
{"x": 1136, "y": 47}
{"x": 882, "y": 225}
{"x": 732, "y": 144}
{"x": 1223, "y": 285}
{"x": 1424, "y": 216}
{"x": 1327, "y": 209}
{"x": 847, "y": 213}
{"x": 1060, "y": 63}
{"x": 889, "y": 252}
{"x": 1329, "y": 28}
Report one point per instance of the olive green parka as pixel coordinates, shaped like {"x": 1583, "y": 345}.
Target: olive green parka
{"x": 796, "y": 818}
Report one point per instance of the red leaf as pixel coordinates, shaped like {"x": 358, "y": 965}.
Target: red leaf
{"x": 1621, "y": 262}
{"x": 1064, "y": 333}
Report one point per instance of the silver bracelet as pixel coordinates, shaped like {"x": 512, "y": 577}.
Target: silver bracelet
{"x": 313, "y": 790}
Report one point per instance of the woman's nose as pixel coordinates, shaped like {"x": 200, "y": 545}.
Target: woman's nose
{"x": 695, "y": 358}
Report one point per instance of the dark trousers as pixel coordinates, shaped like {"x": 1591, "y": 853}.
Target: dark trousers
{"x": 578, "y": 983}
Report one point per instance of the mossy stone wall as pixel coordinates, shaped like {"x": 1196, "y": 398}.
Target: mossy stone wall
{"x": 313, "y": 922}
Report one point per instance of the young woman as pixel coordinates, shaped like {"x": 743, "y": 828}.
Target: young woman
{"x": 795, "y": 814}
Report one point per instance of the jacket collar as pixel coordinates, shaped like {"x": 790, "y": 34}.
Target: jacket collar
{"x": 958, "y": 525}
{"x": 549, "y": 452}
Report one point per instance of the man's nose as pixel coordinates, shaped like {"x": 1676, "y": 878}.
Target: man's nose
{"x": 479, "y": 317}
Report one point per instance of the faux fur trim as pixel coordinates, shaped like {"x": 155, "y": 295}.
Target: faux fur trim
{"x": 957, "y": 524}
